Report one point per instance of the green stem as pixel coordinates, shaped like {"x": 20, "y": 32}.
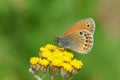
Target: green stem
{"x": 37, "y": 77}
{"x": 52, "y": 75}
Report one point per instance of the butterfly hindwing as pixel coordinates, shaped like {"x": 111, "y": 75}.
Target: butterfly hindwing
{"x": 80, "y": 41}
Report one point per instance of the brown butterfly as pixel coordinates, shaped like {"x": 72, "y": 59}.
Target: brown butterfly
{"x": 79, "y": 37}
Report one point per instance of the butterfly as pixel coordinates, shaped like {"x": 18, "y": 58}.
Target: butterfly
{"x": 79, "y": 37}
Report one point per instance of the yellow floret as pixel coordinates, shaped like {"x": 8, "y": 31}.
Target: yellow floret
{"x": 76, "y": 63}
{"x": 34, "y": 60}
{"x": 43, "y": 62}
{"x": 68, "y": 54}
{"x": 57, "y": 62}
{"x": 67, "y": 67}
{"x": 50, "y": 47}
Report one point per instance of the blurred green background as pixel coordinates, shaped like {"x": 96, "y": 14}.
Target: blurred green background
{"x": 25, "y": 25}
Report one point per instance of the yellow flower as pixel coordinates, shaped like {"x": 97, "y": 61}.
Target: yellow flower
{"x": 58, "y": 56}
{"x": 34, "y": 60}
{"x": 67, "y": 67}
{"x": 48, "y": 50}
{"x": 43, "y": 62}
{"x": 67, "y": 56}
{"x": 50, "y": 47}
{"x": 58, "y": 59}
{"x": 76, "y": 63}
{"x": 42, "y": 49}
{"x": 45, "y": 54}
{"x": 57, "y": 62}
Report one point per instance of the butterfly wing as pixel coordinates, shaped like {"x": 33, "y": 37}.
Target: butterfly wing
{"x": 85, "y": 24}
{"x": 79, "y": 37}
{"x": 80, "y": 41}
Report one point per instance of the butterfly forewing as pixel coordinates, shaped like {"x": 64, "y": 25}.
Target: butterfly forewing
{"x": 85, "y": 24}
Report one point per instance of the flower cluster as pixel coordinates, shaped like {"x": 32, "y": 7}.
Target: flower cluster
{"x": 57, "y": 61}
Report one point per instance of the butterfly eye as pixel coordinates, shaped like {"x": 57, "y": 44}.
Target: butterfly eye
{"x": 81, "y": 33}
{"x": 88, "y": 24}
